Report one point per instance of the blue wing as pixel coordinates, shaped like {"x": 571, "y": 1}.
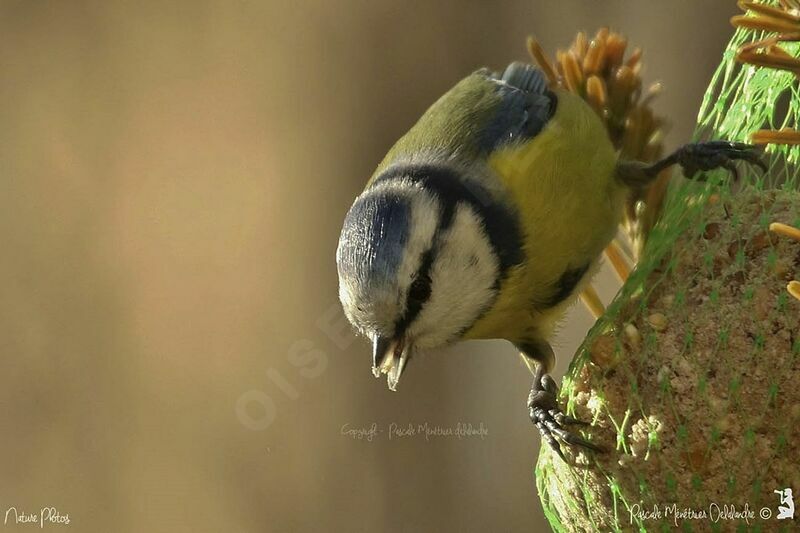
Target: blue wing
{"x": 525, "y": 107}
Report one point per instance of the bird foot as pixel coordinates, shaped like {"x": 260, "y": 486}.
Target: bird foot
{"x": 550, "y": 420}
{"x": 696, "y": 157}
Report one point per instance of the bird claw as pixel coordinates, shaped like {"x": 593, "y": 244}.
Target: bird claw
{"x": 550, "y": 420}
{"x": 704, "y": 156}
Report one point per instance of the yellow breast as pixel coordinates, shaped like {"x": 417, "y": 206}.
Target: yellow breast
{"x": 569, "y": 201}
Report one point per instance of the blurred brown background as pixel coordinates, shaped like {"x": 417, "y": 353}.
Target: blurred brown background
{"x": 173, "y": 176}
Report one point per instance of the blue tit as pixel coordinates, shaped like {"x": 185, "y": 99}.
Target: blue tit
{"x": 486, "y": 219}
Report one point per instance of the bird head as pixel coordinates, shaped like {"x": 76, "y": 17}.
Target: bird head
{"x": 416, "y": 265}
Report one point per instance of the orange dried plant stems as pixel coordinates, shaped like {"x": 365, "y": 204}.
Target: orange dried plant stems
{"x": 785, "y": 230}
{"x": 618, "y": 260}
{"x": 536, "y": 52}
{"x": 591, "y": 300}
{"x": 794, "y": 288}
{"x": 789, "y": 136}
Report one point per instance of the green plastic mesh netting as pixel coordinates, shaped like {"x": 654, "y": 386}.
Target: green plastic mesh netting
{"x": 692, "y": 377}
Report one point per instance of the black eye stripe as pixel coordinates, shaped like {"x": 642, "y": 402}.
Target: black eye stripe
{"x": 420, "y": 289}
{"x": 418, "y": 294}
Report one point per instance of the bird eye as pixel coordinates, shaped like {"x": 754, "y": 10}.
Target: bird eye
{"x": 420, "y": 289}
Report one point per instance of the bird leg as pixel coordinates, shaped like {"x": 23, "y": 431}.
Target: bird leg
{"x": 693, "y": 158}
{"x": 543, "y": 407}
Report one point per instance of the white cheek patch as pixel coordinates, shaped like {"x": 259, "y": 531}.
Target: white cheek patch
{"x": 463, "y": 277}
